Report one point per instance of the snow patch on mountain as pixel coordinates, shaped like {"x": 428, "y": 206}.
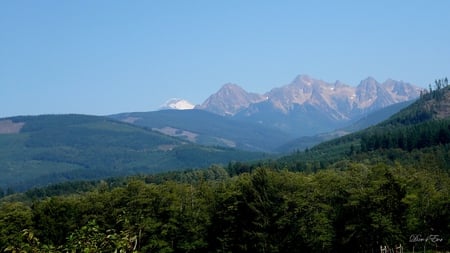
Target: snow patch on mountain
{"x": 177, "y": 104}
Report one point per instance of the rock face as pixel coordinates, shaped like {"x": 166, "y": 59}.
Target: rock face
{"x": 229, "y": 100}
{"x": 307, "y": 105}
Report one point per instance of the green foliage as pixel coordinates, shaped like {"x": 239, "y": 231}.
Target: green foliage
{"x": 374, "y": 213}
{"x": 14, "y": 218}
{"x": 90, "y": 238}
{"x": 352, "y": 206}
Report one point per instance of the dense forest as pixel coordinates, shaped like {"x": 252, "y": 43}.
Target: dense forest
{"x": 387, "y": 187}
{"x": 350, "y": 206}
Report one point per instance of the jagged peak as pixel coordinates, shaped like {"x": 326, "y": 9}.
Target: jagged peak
{"x": 369, "y": 80}
{"x": 303, "y": 77}
{"x": 303, "y": 80}
{"x": 390, "y": 80}
{"x": 229, "y": 99}
{"x": 231, "y": 88}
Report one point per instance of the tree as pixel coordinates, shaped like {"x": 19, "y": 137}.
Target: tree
{"x": 14, "y": 218}
{"x": 91, "y": 238}
{"x": 375, "y": 211}
{"x": 56, "y": 218}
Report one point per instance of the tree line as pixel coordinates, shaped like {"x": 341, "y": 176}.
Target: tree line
{"x": 351, "y": 206}
{"x": 427, "y": 134}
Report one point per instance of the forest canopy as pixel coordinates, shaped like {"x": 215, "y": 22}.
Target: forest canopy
{"x": 352, "y": 207}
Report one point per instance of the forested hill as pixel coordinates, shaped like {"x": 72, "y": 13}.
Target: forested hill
{"x": 37, "y": 150}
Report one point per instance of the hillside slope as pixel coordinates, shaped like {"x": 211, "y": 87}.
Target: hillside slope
{"x": 52, "y": 148}
{"x": 207, "y": 128}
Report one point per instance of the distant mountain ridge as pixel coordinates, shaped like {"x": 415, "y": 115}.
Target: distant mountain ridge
{"x": 308, "y": 106}
{"x": 341, "y": 99}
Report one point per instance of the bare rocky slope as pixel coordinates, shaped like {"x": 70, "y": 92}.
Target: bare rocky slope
{"x": 229, "y": 100}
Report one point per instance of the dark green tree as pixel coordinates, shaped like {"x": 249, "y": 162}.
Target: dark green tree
{"x": 14, "y": 218}
{"x": 375, "y": 211}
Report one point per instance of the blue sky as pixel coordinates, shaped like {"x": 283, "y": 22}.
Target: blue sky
{"x": 104, "y": 57}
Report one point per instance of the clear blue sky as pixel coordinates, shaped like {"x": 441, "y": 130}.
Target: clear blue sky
{"x": 104, "y": 57}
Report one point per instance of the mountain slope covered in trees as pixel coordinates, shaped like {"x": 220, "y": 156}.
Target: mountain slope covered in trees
{"x": 210, "y": 129}
{"x": 54, "y": 148}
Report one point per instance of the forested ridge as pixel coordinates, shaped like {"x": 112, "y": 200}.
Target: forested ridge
{"x": 57, "y": 148}
{"x": 357, "y": 193}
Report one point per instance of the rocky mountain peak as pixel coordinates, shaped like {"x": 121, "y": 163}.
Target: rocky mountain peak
{"x": 303, "y": 80}
{"x": 230, "y": 99}
{"x": 368, "y": 86}
{"x": 373, "y": 95}
{"x": 369, "y": 80}
{"x": 402, "y": 89}
{"x": 301, "y": 90}
{"x": 230, "y": 89}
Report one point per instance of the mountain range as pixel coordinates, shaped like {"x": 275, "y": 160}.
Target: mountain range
{"x": 342, "y": 101}
{"x": 298, "y": 115}
{"x": 309, "y": 106}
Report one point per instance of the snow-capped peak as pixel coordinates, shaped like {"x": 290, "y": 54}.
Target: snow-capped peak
{"x": 177, "y": 104}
